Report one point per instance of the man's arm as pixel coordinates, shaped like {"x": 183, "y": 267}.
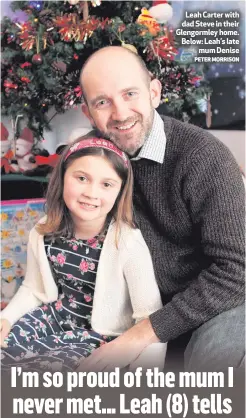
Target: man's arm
{"x": 214, "y": 192}
{"x": 122, "y": 351}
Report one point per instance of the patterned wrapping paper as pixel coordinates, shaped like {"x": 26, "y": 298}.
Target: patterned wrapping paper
{"x": 17, "y": 219}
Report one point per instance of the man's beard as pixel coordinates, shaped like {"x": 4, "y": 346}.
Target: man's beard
{"x": 137, "y": 143}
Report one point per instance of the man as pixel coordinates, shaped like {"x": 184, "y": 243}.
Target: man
{"x": 189, "y": 201}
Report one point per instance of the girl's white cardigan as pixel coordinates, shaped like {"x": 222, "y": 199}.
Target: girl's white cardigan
{"x": 125, "y": 291}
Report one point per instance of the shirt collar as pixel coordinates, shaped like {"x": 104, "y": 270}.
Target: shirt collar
{"x": 155, "y": 145}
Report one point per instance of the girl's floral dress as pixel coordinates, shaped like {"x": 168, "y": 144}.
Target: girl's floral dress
{"x": 58, "y": 335}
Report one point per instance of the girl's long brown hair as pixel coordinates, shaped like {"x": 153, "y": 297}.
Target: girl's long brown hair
{"x": 59, "y": 222}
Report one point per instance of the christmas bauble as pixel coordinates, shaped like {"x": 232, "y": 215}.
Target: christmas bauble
{"x": 96, "y": 3}
{"x": 37, "y": 59}
{"x": 130, "y": 47}
{"x": 35, "y": 5}
{"x": 161, "y": 11}
{"x": 73, "y": 2}
{"x": 202, "y": 104}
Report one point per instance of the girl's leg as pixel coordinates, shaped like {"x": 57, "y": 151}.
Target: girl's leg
{"x": 39, "y": 323}
{"x": 69, "y": 348}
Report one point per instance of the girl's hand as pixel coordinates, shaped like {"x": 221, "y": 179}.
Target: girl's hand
{"x": 5, "y": 327}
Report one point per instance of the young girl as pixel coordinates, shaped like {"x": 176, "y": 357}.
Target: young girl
{"x": 89, "y": 272}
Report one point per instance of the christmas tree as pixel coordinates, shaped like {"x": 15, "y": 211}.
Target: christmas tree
{"x": 42, "y": 58}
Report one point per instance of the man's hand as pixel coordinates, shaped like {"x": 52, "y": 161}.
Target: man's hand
{"x": 5, "y": 327}
{"x": 122, "y": 351}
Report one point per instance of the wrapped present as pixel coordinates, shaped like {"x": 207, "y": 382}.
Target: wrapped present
{"x": 17, "y": 219}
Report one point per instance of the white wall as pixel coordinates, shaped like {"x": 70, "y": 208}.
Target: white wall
{"x": 235, "y": 141}
{"x": 64, "y": 126}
